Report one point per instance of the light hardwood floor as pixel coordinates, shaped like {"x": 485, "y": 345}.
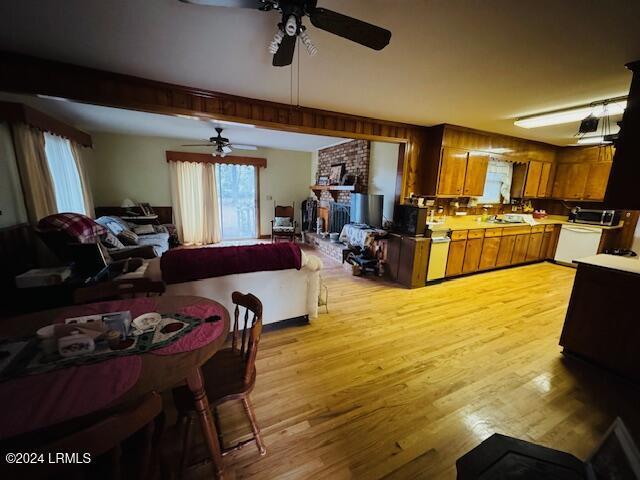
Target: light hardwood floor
{"x": 395, "y": 383}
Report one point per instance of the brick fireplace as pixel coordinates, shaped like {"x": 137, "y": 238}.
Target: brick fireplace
{"x": 334, "y": 207}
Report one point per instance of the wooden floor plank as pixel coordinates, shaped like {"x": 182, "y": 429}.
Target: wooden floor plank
{"x": 395, "y": 383}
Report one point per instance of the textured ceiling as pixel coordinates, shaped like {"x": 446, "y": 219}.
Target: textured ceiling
{"x": 477, "y": 63}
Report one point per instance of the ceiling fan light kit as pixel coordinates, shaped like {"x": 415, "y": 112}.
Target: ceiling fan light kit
{"x": 290, "y": 28}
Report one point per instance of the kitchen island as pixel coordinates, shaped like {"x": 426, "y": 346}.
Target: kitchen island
{"x": 602, "y": 324}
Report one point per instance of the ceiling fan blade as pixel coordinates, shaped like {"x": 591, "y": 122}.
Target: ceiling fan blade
{"x": 284, "y": 55}
{"x": 227, "y": 3}
{"x": 227, "y": 149}
{"x": 351, "y": 28}
{"x": 244, "y": 147}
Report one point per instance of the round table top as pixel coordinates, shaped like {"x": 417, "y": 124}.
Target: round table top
{"x": 158, "y": 372}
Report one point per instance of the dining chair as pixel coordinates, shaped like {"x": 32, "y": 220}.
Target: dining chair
{"x": 98, "y": 435}
{"x": 229, "y": 375}
{"x": 117, "y": 289}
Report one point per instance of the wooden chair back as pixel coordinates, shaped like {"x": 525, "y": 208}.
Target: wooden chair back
{"x": 285, "y": 211}
{"x": 117, "y": 289}
{"x": 245, "y": 338}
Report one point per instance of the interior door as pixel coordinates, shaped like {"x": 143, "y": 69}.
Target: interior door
{"x": 238, "y": 200}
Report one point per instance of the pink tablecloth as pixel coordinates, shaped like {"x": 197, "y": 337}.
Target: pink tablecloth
{"x": 38, "y": 401}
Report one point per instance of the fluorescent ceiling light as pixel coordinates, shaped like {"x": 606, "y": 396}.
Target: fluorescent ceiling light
{"x": 187, "y": 117}
{"x": 616, "y": 107}
{"x": 49, "y": 97}
{"x": 596, "y": 140}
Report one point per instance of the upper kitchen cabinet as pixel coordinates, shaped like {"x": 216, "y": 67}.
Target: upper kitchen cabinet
{"x": 546, "y": 174}
{"x": 532, "y": 183}
{"x": 456, "y": 160}
{"x": 453, "y": 168}
{"x": 582, "y": 173}
{"x": 476, "y": 175}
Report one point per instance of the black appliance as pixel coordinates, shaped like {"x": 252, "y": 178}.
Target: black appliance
{"x": 608, "y": 218}
{"x": 621, "y": 252}
{"x": 410, "y": 220}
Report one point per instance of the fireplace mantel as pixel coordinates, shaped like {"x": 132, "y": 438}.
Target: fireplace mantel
{"x": 332, "y": 189}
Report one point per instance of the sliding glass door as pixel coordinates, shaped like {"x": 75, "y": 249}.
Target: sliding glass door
{"x": 238, "y": 200}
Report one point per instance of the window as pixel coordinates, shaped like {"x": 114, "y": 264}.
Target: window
{"x": 237, "y": 197}
{"x": 65, "y": 175}
{"x": 497, "y": 185}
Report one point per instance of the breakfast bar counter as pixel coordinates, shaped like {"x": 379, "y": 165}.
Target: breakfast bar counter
{"x": 602, "y": 324}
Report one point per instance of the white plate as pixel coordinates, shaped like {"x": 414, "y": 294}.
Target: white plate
{"x": 147, "y": 321}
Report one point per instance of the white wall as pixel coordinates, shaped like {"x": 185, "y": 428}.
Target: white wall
{"x": 11, "y": 197}
{"x": 128, "y": 166}
{"x": 383, "y": 165}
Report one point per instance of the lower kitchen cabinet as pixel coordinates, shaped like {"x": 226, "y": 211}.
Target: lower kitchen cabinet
{"x": 490, "y": 249}
{"x": 520, "y": 249}
{"x": 407, "y": 259}
{"x": 535, "y": 244}
{"x": 472, "y": 255}
{"x": 455, "y": 259}
{"x": 505, "y": 252}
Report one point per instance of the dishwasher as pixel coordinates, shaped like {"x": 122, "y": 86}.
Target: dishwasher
{"x": 577, "y": 241}
{"x": 438, "y": 254}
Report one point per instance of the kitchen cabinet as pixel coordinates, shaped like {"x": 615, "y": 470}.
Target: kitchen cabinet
{"x": 407, "y": 259}
{"x": 472, "y": 255}
{"x": 520, "y": 249}
{"x": 534, "y": 247}
{"x": 505, "y": 252}
{"x": 453, "y": 167}
{"x": 544, "y": 187}
{"x": 455, "y": 259}
{"x": 476, "y": 175}
{"x": 597, "y": 180}
{"x": 549, "y": 242}
{"x": 532, "y": 184}
{"x": 570, "y": 180}
{"x": 489, "y": 256}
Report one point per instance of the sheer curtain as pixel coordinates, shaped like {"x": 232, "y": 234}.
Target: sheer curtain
{"x": 35, "y": 176}
{"x": 64, "y": 172}
{"x": 195, "y": 202}
{"x": 87, "y": 196}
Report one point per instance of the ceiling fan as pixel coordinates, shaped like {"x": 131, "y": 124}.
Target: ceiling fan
{"x": 290, "y": 28}
{"x": 222, "y": 146}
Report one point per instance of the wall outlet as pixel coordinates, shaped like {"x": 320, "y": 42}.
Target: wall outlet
{"x": 269, "y": 197}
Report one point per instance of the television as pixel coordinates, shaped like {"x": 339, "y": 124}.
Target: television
{"x": 367, "y": 209}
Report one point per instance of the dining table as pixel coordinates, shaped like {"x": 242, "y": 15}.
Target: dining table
{"x": 42, "y": 400}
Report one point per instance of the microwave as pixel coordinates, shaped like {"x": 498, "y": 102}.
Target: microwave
{"x": 410, "y": 220}
{"x": 609, "y": 218}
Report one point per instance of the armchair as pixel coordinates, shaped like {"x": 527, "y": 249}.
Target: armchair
{"x": 284, "y": 225}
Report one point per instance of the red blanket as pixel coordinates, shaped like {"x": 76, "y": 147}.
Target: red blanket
{"x": 188, "y": 264}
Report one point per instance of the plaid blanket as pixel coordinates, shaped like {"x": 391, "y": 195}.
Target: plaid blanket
{"x": 80, "y": 228}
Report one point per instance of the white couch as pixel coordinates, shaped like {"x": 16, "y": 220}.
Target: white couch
{"x": 285, "y": 294}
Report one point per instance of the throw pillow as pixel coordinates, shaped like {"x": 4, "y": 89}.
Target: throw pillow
{"x": 282, "y": 222}
{"x": 128, "y": 237}
{"x": 109, "y": 240}
{"x": 144, "y": 229}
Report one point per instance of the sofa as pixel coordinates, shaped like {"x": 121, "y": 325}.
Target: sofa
{"x": 126, "y": 235}
{"x": 286, "y": 294}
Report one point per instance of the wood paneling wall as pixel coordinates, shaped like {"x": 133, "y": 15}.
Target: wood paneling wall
{"x": 30, "y": 75}
{"x": 585, "y": 154}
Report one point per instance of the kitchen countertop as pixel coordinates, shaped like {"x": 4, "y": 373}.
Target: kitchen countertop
{"x": 613, "y": 262}
{"x": 470, "y": 222}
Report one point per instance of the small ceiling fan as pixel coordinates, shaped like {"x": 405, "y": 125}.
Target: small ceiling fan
{"x": 222, "y": 146}
{"x": 290, "y": 28}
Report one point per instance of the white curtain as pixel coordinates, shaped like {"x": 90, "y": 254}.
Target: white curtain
{"x": 64, "y": 172}
{"x": 35, "y": 174}
{"x": 195, "y": 202}
{"x": 87, "y": 196}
